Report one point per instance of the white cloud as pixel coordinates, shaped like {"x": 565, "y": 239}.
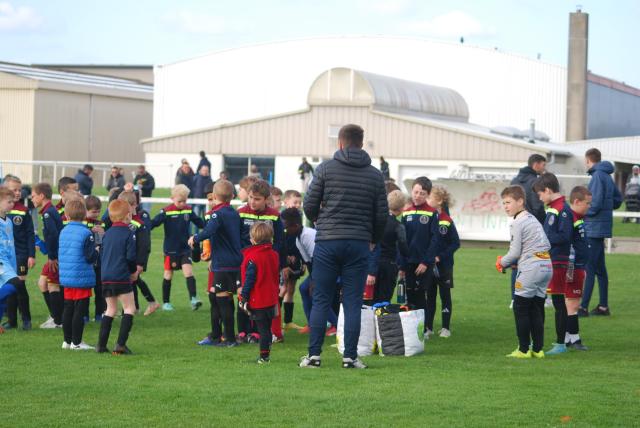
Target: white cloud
{"x": 200, "y": 23}
{"x": 18, "y": 18}
{"x": 451, "y": 24}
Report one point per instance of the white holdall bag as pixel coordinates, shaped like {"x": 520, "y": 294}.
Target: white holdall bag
{"x": 399, "y": 333}
{"x": 367, "y": 340}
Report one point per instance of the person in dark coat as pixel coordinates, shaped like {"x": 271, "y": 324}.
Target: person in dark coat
{"x": 384, "y": 168}
{"x": 85, "y": 182}
{"x": 204, "y": 161}
{"x": 200, "y": 182}
{"x": 116, "y": 180}
{"x": 525, "y": 178}
{"x": 598, "y": 225}
{"x": 185, "y": 176}
{"x": 347, "y": 201}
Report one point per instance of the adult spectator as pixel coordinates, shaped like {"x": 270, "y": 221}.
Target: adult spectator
{"x": 224, "y": 175}
{"x": 200, "y": 182}
{"x": 185, "y": 176}
{"x": 598, "y": 224}
{"x": 347, "y": 201}
{"x": 634, "y": 178}
{"x": 254, "y": 171}
{"x": 203, "y": 162}
{"x": 525, "y": 178}
{"x": 85, "y": 182}
{"x": 306, "y": 172}
{"x": 116, "y": 179}
{"x": 146, "y": 184}
{"x": 384, "y": 168}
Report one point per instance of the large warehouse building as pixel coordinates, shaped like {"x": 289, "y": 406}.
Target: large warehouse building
{"x": 55, "y": 115}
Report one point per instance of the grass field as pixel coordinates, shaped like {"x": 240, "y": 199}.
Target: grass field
{"x": 461, "y": 381}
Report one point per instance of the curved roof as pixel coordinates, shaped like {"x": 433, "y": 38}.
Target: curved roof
{"x": 345, "y": 86}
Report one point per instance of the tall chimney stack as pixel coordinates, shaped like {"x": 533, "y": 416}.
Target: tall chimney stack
{"x": 577, "y": 76}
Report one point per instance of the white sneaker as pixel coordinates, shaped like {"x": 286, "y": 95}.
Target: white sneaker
{"x": 48, "y": 324}
{"x": 548, "y": 303}
{"x": 444, "y": 332}
{"x": 82, "y": 347}
{"x": 428, "y": 334}
{"x": 310, "y": 361}
{"x": 350, "y": 363}
{"x": 66, "y": 345}
{"x": 511, "y": 305}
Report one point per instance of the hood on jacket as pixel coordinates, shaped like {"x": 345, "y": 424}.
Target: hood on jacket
{"x": 604, "y": 166}
{"x": 525, "y": 174}
{"x": 353, "y": 157}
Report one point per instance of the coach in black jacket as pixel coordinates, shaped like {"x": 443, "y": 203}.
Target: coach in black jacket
{"x": 348, "y": 203}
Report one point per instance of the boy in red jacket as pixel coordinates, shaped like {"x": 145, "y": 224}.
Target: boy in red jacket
{"x": 260, "y": 284}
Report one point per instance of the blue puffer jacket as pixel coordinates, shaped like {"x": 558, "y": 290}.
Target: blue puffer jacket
{"x": 606, "y": 198}
{"x": 76, "y": 256}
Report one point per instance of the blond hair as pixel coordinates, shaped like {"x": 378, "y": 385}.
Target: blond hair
{"x": 441, "y": 193}
{"x": 128, "y": 197}
{"x": 223, "y": 189}
{"x": 396, "y": 200}
{"x": 180, "y": 190}
{"x": 75, "y": 209}
{"x": 261, "y": 232}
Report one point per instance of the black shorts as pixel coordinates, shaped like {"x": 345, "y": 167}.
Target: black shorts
{"x": 23, "y": 267}
{"x": 444, "y": 280}
{"x": 176, "y": 262}
{"x": 115, "y": 290}
{"x": 225, "y": 282}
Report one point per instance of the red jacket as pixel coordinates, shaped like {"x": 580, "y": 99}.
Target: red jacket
{"x": 261, "y": 286}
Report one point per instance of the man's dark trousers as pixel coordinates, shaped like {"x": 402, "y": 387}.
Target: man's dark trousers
{"x": 347, "y": 259}
{"x": 596, "y": 268}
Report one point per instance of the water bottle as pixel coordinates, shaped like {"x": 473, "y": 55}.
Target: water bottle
{"x": 402, "y": 291}
{"x": 572, "y": 265}
{"x": 41, "y": 245}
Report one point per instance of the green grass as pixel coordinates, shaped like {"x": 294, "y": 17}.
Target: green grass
{"x": 462, "y": 381}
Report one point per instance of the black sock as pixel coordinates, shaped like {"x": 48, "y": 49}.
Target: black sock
{"x": 23, "y": 301}
{"x": 216, "y": 328}
{"x": 288, "y": 312}
{"x": 521, "y": 310}
{"x": 191, "y": 286}
{"x": 125, "y": 328}
{"x": 81, "y": 307}
{"x": 225, "y": 303}
{"x": 243, "y": 322}
{"x": 573, "y": 326}
{"x": 47, "y": 300}
{"x": 166, "y": 290}
{"x": 536, "y": 314}
{"x": 146, "y": 292}
{"x": 57, "y": 306}
{"x": 12, "y": 310}
{"x": 134, "y": 286}
{"x": 67, "y": 321}
{"x": 105, "y": 331}
{"x": 561, "y": 316}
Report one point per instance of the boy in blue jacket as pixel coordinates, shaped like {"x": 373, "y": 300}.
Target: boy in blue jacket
{"x": 118, "y": 266}
{"x": 77, "y": 254}
{"x": 223, "y": 229}
{"x": 420, "y": 221}
{"x": 558, "y": 226}
{"x": 449, "y": 242}
{"x": 8, "y": 276}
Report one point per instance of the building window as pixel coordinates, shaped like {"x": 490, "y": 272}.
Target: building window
{"x": 240, "y": 166}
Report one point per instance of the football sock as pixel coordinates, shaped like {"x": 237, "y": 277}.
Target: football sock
{"x": 57, "y": 306}
{"x": 288, "y": 312}
{"x": 144, "y": 289}
{"x": 561, "y": 316}
{"x": 134, "y": 286}
{"x": 166, "y": 290}
{"x": 81, "y": 307}
{"x": 225, "y": 303}
{"x": 47, "y": 300}
{"x": 573, "y": 328}
{"x": 105, "y": 331}
{"x": 125, "y": 328}
{"x": 191, "y": 286}
{"x": 216, "y": 328}
{"x": 23, "y": 300}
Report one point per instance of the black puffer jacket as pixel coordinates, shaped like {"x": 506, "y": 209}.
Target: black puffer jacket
{"x": 525, "y": 178}
{"x": 347, "y": 199}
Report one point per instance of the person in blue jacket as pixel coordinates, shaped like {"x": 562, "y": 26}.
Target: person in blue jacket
{"x": 598, "y": 226}
{"x": 8, "y": 276}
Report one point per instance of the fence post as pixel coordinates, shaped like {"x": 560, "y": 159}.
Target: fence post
{"x": 55, "y": 171}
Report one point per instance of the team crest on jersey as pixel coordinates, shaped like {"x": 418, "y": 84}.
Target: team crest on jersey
{"x": 46, "y": 215}
{"x": 552, "y": 220}
{"x": 132, "y": 227}
{"x": 424, "y": 219}
{"x": 17, "y": 220}
{"x": 564, "y": 214}
{"x": 443, "y": 230}
{"x": 186, "y": 217}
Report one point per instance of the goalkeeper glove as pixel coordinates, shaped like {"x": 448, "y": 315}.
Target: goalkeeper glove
{"x": 499, "y": 267}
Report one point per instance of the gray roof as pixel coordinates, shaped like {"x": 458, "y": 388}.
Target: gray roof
{"x": 67, "y": 77}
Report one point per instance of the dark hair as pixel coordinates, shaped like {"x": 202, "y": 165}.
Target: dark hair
{"x": 64, "y": 182}
{"x": 516, "y": 192}
{"x": 593, "y": 155}
{"x": 579, "y": 193}
{"x": 546, "y": 181}
{"x": 208, "y": 188}
{"x": 93, "y": 203}
{"x": 261, "y": 188}
{"x": 202, "y": 154}
{"x": 88, "y": 166}
{"x": 351, "y": 136}
{"x": 390, "y": 186}
{"x": 535, "y": 158}
{"x": 291, "y": 216}
{"x": 43, "y": 189}
{"x": 275, "y": 191}
{"x": 424, "y": 182}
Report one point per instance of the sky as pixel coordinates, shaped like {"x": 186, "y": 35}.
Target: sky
{"x": 162, "y": 31}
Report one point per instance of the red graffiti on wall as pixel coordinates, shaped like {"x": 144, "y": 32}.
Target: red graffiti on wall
{"x": 487, "y": 202}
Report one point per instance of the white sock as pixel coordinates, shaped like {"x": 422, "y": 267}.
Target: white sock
{"x": 573, "y": 338}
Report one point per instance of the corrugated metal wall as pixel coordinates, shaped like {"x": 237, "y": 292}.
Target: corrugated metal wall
{"x": 16, "y": 129}
{"x": 307, "y": 134}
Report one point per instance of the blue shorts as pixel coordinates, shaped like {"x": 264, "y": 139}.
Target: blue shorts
{"x": 7, "y": 272}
